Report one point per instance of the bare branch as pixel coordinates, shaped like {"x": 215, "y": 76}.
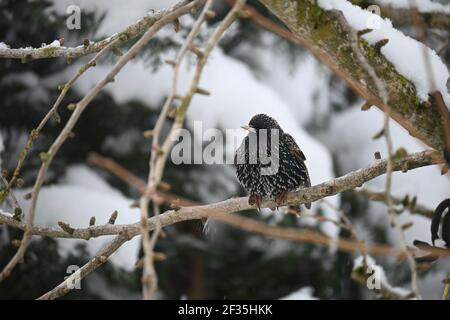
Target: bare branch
{"x": 221, "y": 210}
{"x": 408, "y": 203}
{"x": 123, "y": 174}
{"x": 149, "y": 277}
{"x": 158, "y": 159}
{"x": 383, "y": 93}
{"x": 54, "y": 109}
{"x": 329, "y": 188}
{"x": 169, "y": 15}
{"x": 101, "y": 257}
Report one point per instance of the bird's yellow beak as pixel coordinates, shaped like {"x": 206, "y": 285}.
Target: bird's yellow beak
{"x": 248, "y": 128}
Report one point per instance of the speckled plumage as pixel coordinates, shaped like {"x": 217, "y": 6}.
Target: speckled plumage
{"x": 291, "y": 173}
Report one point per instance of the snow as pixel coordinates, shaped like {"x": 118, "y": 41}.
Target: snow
{"x": 3, "y": 45}
{"x": 359, "y": 263}
{"x": 120, "y": 13}
{"x": 411, "y": 65}
{"x": 421, "y": 5}
{"x": 82, "y": 193}
{"x": 54, "y": 44}
{"x": 305, "y": 293}
{"x": 306, "y": 73}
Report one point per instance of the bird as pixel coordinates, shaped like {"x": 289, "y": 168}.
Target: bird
{"x": 270, "y": 180}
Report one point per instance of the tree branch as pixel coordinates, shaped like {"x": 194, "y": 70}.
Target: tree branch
{"x": 101, "y": 257}
{"x": 406, "y": 202}
{"x": 329, "y": 188}
{"x": 132, "y": 31}
{"x": 149, "y": 277}
{"x": 327, "y": 35}
{"x": 169, "y": 15}
{"x": 221, "y": 209}
{"x": 402, "y": 16}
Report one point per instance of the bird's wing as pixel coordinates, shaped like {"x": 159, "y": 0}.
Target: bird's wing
{"x": 298, "y": 155}
{"x": 239, "y": 155}
{"x": 295, "y": 149}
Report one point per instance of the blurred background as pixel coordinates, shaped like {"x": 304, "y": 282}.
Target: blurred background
{"x": 251, "y": 71}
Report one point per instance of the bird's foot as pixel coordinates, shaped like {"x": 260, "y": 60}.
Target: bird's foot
{"x": 281, "y": 198}
{"x": 255, "y": 200}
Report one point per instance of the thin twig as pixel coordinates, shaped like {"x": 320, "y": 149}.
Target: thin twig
{"x": 160, "y": 153}
{"x": 126, "y": 176}
{"x": 99, "y": 259}
{"x": 54, "y": 109}
{"x": 405, "y": 202}
{"x": 232, "y": 219}
{"x": 391, "y": 208}
{"x": 169, "y": 15}
{"x": 348, "y": 226}
{"x": 149, "y": 276}
{"x": 10, "y": 191}
{"x": 383, "y": 93}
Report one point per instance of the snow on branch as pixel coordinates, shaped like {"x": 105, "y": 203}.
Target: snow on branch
{"x": 435, "y": 15}
{"x": 368, "y": 273}
{"x": 326, "y": 32}
{"x": 56, "y": 51}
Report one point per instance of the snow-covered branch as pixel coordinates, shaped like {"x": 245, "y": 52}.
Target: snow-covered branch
{"x": 435, "y": 15}
{"x": 56, "y": 51}
{"x": 326, "y": 32}
{"x": 365, "y": 269}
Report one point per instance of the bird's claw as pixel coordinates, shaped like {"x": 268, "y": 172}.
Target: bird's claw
{"x": 255, "y": 200}
{"x": 281, "y": 198}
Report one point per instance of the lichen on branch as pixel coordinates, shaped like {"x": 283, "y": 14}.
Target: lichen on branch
{"x": 328, "y": 36}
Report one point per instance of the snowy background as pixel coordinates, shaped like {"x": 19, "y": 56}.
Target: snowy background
{"x": 244, "y": 79}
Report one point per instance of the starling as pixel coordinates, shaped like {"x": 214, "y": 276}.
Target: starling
{"x": 267, "y": 167}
